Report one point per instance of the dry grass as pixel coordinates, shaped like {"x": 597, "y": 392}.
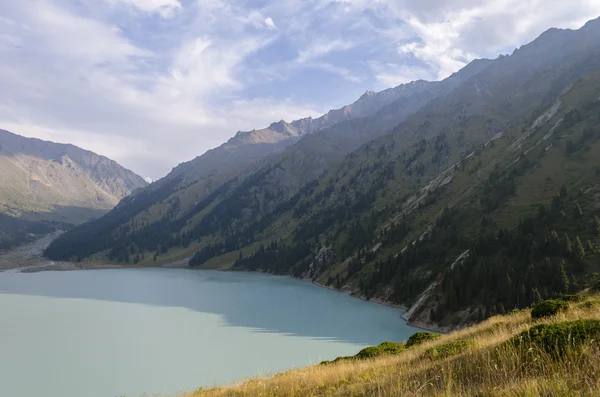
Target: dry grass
{"x": 486, "y": 368}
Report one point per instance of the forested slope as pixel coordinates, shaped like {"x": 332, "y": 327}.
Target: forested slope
{"x": 481, "y": 199}
{"x": 168, "y": 216}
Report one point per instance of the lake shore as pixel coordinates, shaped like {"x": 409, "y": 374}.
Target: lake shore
{"x": 28, "y": 259}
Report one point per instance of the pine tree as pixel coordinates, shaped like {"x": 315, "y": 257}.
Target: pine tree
{"x": 564, "y": 279}
{"x": 591, "y": 247}
{"x": 597, "y": 222}
{"x": 522, "y": 296}
{"x": 578, "y": 212}
{"x": 568, "y": 245}
{"x": 535, "y": 293}
{"x": 580, "y": 250}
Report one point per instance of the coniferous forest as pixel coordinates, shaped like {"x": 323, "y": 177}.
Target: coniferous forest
{"x": 471, "y": 205}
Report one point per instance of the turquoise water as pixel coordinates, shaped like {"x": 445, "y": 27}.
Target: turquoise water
{"x": 126, "y": 332}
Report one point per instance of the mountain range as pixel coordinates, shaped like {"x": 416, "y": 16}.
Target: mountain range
{"x": 460, "y": 198}
{"x": 56, "y": 184}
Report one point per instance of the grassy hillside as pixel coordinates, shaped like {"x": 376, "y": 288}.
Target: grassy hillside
{"x": 554, "y": 357}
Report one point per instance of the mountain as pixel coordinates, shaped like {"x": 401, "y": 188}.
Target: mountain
{"x": 468, "y": 197}
{"x": 46, "y": 181}
{"x": 248, "y": 147}
{"x": 159, "y": 217}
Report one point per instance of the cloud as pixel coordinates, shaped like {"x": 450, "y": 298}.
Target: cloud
{"x": 270, "y": 23}
{"x": 321, "y": 48}
{"x": 165, "y": 8}
{"x": 152, "y": 83}
{"x": 449, "y": 34}
{"x": 393, "y": 74}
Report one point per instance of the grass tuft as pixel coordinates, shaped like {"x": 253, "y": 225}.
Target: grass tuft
{"x": 449, "y": 349}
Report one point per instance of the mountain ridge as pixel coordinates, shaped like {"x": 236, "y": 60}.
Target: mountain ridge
{"x": 57, "y": 183}
{"x": 387, "y": 213}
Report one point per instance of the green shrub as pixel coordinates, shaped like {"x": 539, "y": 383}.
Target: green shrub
{"x": 549, "y": 308}
{"x": 557, "y": 338}
{"x": 421, "y": 337}
{"x": 384, "y": 349}
{"x": 337, "y": 360}
{"x": 448, "y": 349}
{"x": 380, "y": 350}
{"x": 571, "y": 298}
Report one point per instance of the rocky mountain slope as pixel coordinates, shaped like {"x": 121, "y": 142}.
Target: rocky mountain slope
{"x": 471, "y": 197}
{"x": 284, "y": 156}
{"x": 46, "y": 181}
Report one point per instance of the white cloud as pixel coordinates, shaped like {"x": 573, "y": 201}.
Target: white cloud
{"x": 270, "y": 23}
{"x": 99, "y": 91}
{"x": 448, "y": 34}
{"x": 344, "y": 73}
{"x": 152, "y": 92}
{"x": 321, "y": 48}
{"x": 165, "y": 8}
{"x": 393, "y": 74}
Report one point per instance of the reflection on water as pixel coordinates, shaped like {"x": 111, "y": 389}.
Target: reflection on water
{"x": 126, "y": 331}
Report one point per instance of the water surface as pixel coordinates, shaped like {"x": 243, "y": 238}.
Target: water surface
{"x": 124, "y": 332}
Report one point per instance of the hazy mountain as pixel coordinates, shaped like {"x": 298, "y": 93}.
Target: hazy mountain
{"x": 42, "y": 180}
{"x": 464, "y": 198}
{"x": 303, "y": 148}
{"x": 248, "y": 147}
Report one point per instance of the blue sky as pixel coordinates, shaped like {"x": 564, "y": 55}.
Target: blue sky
{"x": 152, "y": 83}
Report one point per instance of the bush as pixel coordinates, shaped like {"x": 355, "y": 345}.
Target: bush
{"x": 549, "y": 308}
{"x": 448, "y": 349}
{"x": 384, "y": 349}
{"x": 557, "y": 338}
{"x": 571, "y": 298}
{"x": 337, "y": 360}
{"x": 421, "y": 337}
{"x": 380, "y": 350}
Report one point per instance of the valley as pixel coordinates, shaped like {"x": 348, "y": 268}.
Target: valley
{"x": 330, "y": 198}
{"x": 488, "y": 175}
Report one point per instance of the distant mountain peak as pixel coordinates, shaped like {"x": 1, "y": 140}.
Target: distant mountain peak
{"x": 43, "y": 178}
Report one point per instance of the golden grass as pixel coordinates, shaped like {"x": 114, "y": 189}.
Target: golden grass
{"x": 487, "y": 368}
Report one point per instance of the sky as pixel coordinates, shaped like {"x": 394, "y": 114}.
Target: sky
{"x": 153, "y": 83}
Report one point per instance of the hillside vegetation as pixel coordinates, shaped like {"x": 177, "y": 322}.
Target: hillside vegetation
{"x": 480, "y": 197}
{"x": 14, "y": 231}
{"x": 508, "y": 355}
